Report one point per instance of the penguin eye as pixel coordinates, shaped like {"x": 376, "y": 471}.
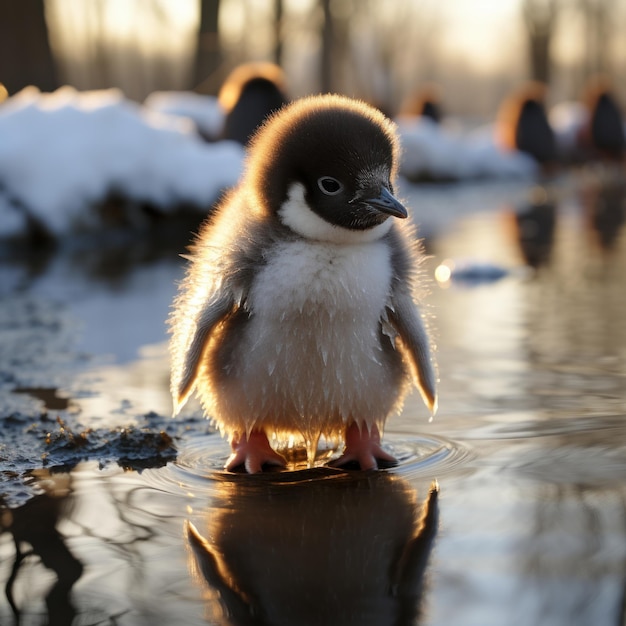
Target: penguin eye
{"x": 329, "y": 185}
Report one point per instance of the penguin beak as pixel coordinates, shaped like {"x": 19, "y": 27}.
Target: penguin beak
{"x": 386, "y": 203}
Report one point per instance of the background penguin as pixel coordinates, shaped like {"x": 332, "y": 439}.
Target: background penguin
{"x": 249, "y": 95}
{"x": 602, "y": 136}
{"x": 423, "y": 102}
{"x": 297, "y": 315}
{"x": 523, "y": 125}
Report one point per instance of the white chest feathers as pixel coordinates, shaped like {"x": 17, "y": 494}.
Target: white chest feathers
{"x": 348, "y": 284}
{"x": 310, "y": 357}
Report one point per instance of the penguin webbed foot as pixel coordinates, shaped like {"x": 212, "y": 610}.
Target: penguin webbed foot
{"x": 363, "y": 449}
{"x": 252, "y": 452}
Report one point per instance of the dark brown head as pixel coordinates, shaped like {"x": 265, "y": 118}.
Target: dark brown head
{"x": 324, "y": 165}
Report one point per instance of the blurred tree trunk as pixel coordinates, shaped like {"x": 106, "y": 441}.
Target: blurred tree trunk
{"x": 25, "y": 56}
{"x": 278, "y": 31}
{"x": 208, "y": 55}
{"x": 326, "y": 69}
{"x": 597, "y": 16}
{"x": 540, "y": 20}
{"x": 335, "y": 63}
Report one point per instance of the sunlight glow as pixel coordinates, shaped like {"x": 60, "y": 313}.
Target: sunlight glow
{"x": 443, "y": 273}
{"x": 154, "y": 26}
{"x": 129, "y": 39}
{"x": 482, "y": 33}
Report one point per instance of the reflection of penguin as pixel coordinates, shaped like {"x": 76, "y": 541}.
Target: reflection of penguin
{"x": 534, "y": 228}
{"x": 297, "y": 316}
{"x": 604, "y": 204}
{"x": 523, "y": 124}
{"x": 608, "y": 217}
{"x": 603, "y": 133}
{"x": 271, "y": 557}
{"x": 248, "y": 96}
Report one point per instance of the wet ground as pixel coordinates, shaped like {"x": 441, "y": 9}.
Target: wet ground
{"x": 508, "y": 509}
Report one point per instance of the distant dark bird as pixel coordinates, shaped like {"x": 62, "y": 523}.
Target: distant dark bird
{"x": 603, "y": 133}
{"x": 523, "y": 124}
{"x": 297, "y": 316}
{"x": 423, "y": 102}
{"x": 249, "y": 95}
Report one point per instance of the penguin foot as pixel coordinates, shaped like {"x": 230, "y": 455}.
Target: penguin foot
{"x": 363, "y": 448}
{"x": 253, "y": 452}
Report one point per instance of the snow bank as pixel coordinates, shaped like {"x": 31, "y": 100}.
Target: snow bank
{"x": 64, "y": 152}
{"x": 204, "y": 111}
{"x": 431, "y": 152}
{"x": 567, "y": 119}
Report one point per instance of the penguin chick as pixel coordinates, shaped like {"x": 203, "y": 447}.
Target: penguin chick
{"x": 251, "y": 93}
{"x": 297, "y": 314}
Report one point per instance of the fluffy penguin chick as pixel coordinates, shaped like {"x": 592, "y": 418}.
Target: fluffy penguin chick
{"x": 297, "y": 315}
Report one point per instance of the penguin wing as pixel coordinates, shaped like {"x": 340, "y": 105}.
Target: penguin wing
{"x": 191, "y": 335}
{"x": 405, "y": 318}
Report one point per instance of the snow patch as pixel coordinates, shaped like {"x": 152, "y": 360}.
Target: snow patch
{"x": 62, "y": 153}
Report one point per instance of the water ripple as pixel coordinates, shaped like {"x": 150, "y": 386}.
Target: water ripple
{"x": 200, "y": 463}
{"x": 427, "y": 456}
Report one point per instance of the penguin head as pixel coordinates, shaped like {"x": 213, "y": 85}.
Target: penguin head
{"x": 324, "y": 166}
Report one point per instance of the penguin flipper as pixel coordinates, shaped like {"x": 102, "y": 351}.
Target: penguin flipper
{"x": 405, "y": 318}
{"x": 190, "y": 338}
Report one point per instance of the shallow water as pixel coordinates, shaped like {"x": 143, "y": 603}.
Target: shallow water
{"x": 508, "y": 508}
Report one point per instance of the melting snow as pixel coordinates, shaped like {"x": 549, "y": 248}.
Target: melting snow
{"x": 62, "y": 153}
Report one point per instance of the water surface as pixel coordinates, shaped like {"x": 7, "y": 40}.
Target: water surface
{"x": 508, "y": 508}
